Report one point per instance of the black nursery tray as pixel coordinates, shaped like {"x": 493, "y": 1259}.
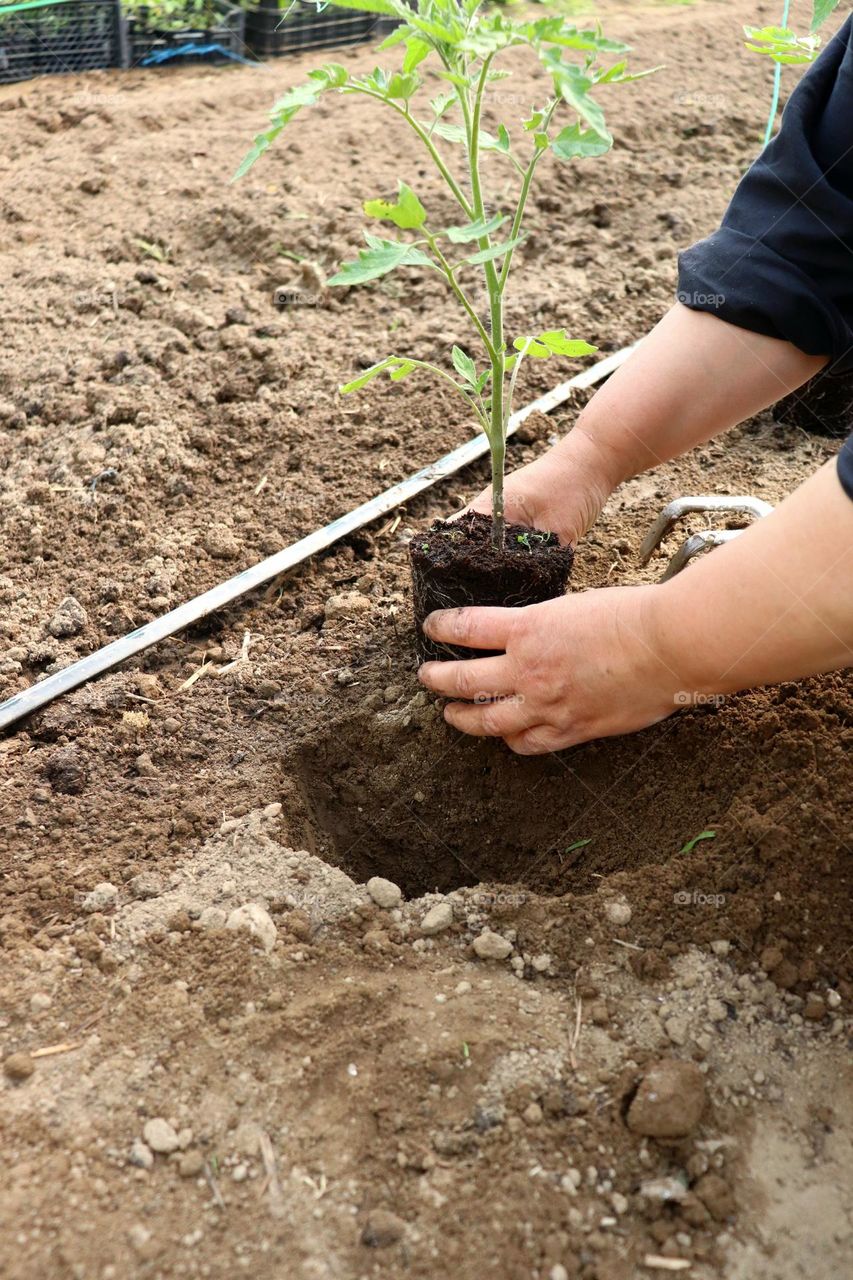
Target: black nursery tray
{"x": 147, "y": 45}
{"x": 58, "y": 36}
{"x": 271, "y": 29}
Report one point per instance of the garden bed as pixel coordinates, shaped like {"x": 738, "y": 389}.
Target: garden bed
{"x": 161, "y": 425}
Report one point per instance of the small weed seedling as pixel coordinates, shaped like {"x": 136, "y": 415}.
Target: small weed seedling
{"x": 456, "y": 45}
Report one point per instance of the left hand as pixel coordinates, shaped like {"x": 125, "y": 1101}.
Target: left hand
{"x": 580, "y": 667}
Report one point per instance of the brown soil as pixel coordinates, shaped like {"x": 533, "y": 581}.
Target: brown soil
{"x": 163, "y": 425}
{"x": 454, "y": 564}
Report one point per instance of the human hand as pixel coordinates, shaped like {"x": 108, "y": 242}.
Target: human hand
{"x": 580, "y": 667}
{"x": 562, "y": 492}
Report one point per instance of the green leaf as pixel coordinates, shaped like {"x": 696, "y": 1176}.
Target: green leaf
{"x": 573, "y": 87}
{"x": 495, "y": 251}
{"x": 397, "y": 368}
{"x": 464, "y": 366}
{"x": 416, "y": 51}
{"x": 403, "y": 86}
{"x": 461, "y": 82}
{"x": 441, "y": 103}
{"x": 368, "y": 376}
{"x": 475, "y": 230}
{"x": 573, "y": 142}
{"x": 534, "y": 121}
{"x": 371, "y": 6}
{"x": 782, "y": 45}
{"x": 456, "y": 133}
{"x": 407, "y": 213}
{"x": 503, "y": 138}
{"x": 553, "y": 342}
{"x": 557, "y": 31}
{"x": 579, "y": 844}
{"x": 619, "y": 75}
{"x": 380, "y": 257}
{"x": 822, "y": 10}
{"x": 397, "y": 36}
{"x": 691, "y": 844}
{"x": 330, "y": 76}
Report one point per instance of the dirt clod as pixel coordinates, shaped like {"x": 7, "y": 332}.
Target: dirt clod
{"x": 18, "y": 1066}
{"x": 669, "y": 1100}
{"x": 69, "y": 619}
{"x": 382, "y": 1229}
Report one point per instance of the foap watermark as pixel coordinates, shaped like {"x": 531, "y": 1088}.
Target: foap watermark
{"x": 698, "y": 299}
{"x": 704, "y": 101}
{"x": 286, "y": 296}
{"x": 696, "y": 898}
{"x": 688, "y": 698}
{"x": 495, "y": 698}
{"x": 486, "y": 899}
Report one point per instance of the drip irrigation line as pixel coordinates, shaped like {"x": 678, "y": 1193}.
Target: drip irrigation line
{"x": 95, "y": 664}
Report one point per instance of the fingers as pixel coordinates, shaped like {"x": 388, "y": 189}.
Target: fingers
{"x": 538, "y": 740}
{"x": 474, "y": 628}
{"x": 477, "y": 679}
{"x": 506, "y": 718}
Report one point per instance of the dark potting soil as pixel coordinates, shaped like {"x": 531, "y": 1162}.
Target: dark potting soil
{"x": 823, "y": 407}
{"x": 454, "y": 564}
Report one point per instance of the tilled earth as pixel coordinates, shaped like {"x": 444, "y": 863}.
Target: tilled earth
{"x": 222, "y": 1053}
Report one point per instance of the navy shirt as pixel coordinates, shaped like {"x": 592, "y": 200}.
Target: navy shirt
{"x": 781, "y": 262}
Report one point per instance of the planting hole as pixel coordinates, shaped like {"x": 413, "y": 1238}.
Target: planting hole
{"x": 433, "y": 810}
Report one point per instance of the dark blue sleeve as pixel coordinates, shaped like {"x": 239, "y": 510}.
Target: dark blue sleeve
{"x": 781, "y": 262}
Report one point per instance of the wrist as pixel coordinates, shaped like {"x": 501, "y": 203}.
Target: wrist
{"x": 674, "y": 636}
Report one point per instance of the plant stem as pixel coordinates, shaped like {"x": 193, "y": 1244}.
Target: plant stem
{"x": 460, "y": 293}
{"x": 425, "y": 139}
{"x": 777, "y": 82}
{"x": 496, "y": 434}
{"x": 522, "y": 199}
{"x": 498, "y": 463}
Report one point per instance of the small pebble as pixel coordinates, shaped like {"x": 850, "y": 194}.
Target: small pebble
{"x": 18, "y": 1066}
{"x": 384, "y": 893}
{"x": 437, "y": 919}
{"x": 256, "y": 920}
{"x": 491, "y": 946}
{"x": 141, "y": 1155}
{"x": 160, "y": 1136}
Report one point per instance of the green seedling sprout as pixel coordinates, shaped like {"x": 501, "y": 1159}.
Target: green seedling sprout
{"x": 453, "y": 46}
{"x": 691, "y": 844}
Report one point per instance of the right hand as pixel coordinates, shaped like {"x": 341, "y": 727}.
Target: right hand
{"x": 556, "y": 493}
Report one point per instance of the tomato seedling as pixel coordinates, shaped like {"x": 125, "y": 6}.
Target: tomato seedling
{"x": 457, "y": 44}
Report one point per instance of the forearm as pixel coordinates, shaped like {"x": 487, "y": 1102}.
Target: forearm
{"x": 774, "y": 604}
{"x": 693, "y": 377}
